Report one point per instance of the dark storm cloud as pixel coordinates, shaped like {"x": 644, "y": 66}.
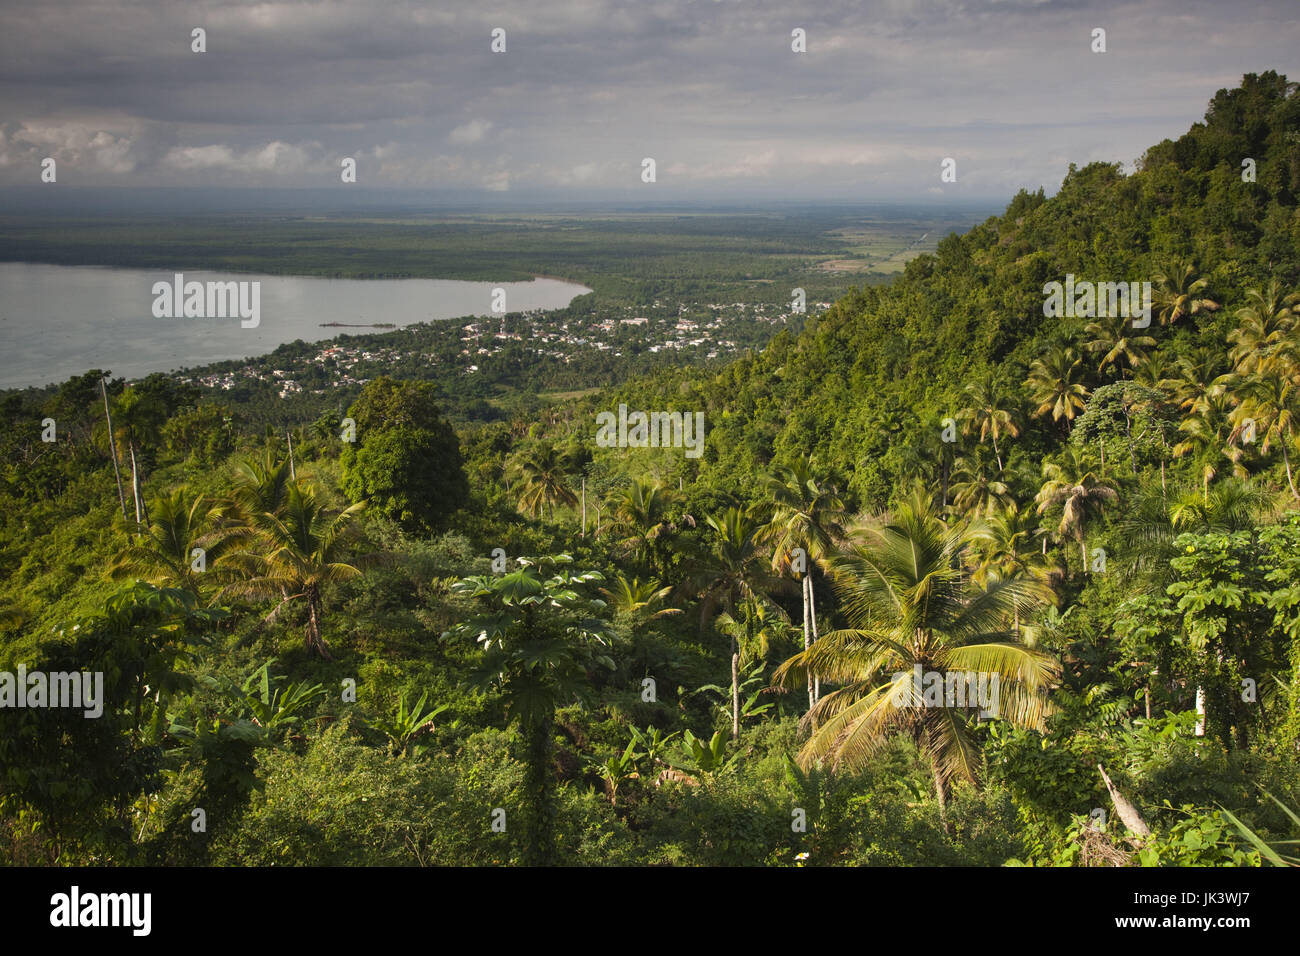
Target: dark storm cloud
{"x": 709, "y": 88}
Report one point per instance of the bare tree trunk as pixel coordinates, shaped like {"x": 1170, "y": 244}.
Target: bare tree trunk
{"x": 584, "y": 506}
{"x": 812, "y": 616}
{"x": 735, "y": 689}
{"x": 941, "y": 795}
{"x": 293, "y": 472}
{"x": 135, "y": 484}
{"x": 112, "y": 447}
{"x": 807, "y": 637}
{"x": 1287, "y": 458}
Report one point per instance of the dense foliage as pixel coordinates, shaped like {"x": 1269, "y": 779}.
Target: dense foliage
{"x": 505, "y": 643}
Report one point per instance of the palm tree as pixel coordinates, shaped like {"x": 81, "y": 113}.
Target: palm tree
{"x": 1196, "y": 378}
{"x": 164, "y": 554}
{"x": 544, "y": 474}
{"x": 1206, "y": 430}
{"x": 635, "y": 600}
{"x": 1264, "y": 326}
{"x": 1055, "y": 386}
{"x": 1118, "y": 343}
{"x": 1178, "y": 292}
{"x": 804, "y": 514}
{"x": 1269, "y": 401}
{"x": 987, "y": 415}
{"x": 261, "y": 487}
{"x": 140, "y": 417}
{"x": 1080, "y": 494}
{"x": 910, "y": 604}
{"x": 640, "y": 513}
{"x": 975, "y": 492}
{"x": 1008, "y": 552}
{"x": 732, "y": 575}
{"x": 302, "y": 547}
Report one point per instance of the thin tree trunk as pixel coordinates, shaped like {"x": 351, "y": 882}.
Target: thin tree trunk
{"x": 135, "y": 484}
{"x": 812, "y": 615}
{"x": 1083, "y": 550}
{"x": 584, "y": 506}
{"x": 941, "y": 794}
{"x": 807, "y": 637}
{"x": 735, "y": 689}
{"x": 112, "y": 447}
{"x": 293, "y": 473}
{"x": 1287, "y": 458}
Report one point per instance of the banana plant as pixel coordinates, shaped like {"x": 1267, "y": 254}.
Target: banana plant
{"x": 653, "y": 743}
{"x": 617, "y": 769}
{"x": 276, "y": 708}
{"x": 708, "y": 759}
{"x": 404, "y": 727}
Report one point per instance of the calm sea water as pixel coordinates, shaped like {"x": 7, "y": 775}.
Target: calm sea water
{"x": 58, "y": 321}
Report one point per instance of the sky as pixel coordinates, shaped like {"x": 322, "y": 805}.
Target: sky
{"x": 585, "y": 90}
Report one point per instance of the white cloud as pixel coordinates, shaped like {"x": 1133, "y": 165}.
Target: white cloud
{"x": 470, "y": 132}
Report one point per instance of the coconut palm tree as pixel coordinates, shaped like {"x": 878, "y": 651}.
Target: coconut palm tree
{"x": 1205, "y": 436}
{"x": 261, "y": 487}
{"x": 975, "y": 491}
{"x": 1007, "y": 551}
{"x": 1178, "y": 292}
{"x": 634, "y": 600}
{"x": 1055, "y": 385}
{"x": 1118, "y": 343}
{"x": 297, "y": 557}
{"x": 1264, "y": 327}
{"x": 804, "y": 513}
{"x": 1080, "y": 494}
{"x": 1268, "y": 402}
{"x": 179, "y": 525}
{"x": 544, "y": 480}
{"x": 989, "y": 414}
{"x": 732, "y": 575}
{"x": 910, "y": 604}
{"x": 640, "y": 512}
{"x": 1197, "y": 377}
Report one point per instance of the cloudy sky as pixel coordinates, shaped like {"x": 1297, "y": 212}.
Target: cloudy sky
{"x": 586, "y": 89}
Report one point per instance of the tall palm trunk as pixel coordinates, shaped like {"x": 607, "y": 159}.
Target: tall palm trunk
{"x": 735, "y": 689}
{"x": 812, "y": 614}
{"x": 807, "y": 638}
{"x": 1287, "y": 458}
{"x": 135, "y": 486}
{"x": 315, "y": 639}
{"x": 112, "y": 447}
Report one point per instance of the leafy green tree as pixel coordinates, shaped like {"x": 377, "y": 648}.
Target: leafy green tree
{"x": 538, "y": 636}
{"x": 407, "y": 462}
{"x": 910, "y": 603}
{"x": 296, "y": 556}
